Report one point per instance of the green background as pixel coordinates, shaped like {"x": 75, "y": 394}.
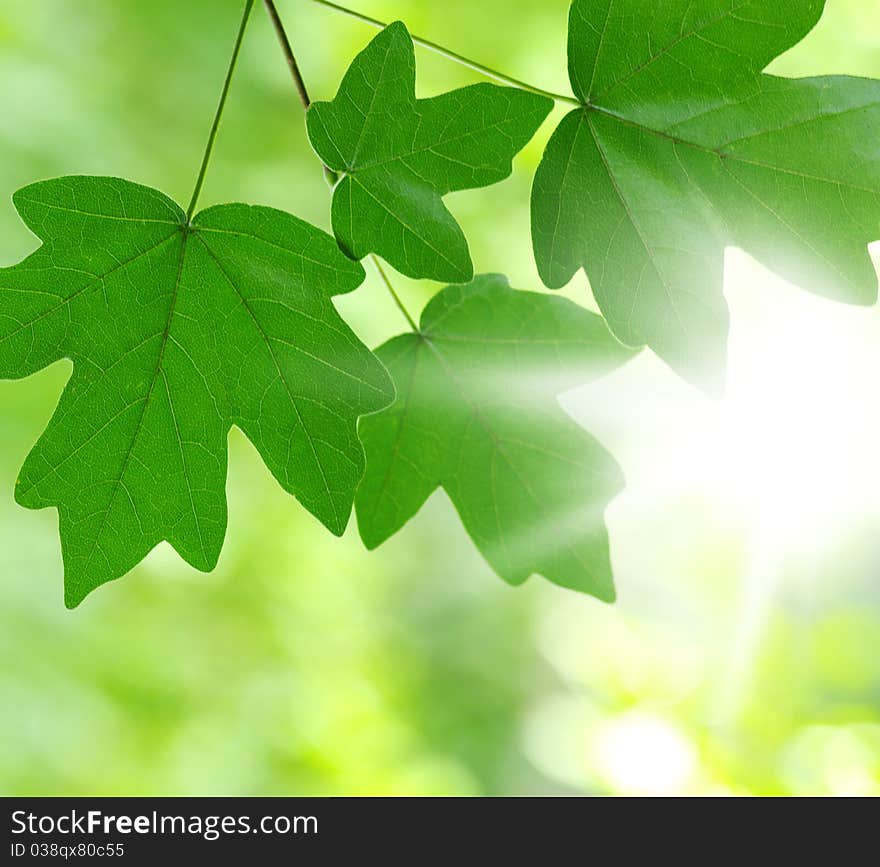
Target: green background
{"x": 742, "y": 654}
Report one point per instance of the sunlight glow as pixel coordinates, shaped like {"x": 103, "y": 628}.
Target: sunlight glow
{"x": 639, "y": 753}
{"x": 792, "y": 447}
{"x": 801, "y": 418}
{"x": 783, "y": 469}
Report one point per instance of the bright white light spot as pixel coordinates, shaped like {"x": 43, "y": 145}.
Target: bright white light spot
{"x": 791, "y": 449}
{"x": 801, "y": 417}
{"x": 641, "y": 754}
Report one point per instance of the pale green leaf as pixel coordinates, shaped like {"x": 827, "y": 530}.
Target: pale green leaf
{"x": 682, "y": 148}
{"x": 477, "y": 413}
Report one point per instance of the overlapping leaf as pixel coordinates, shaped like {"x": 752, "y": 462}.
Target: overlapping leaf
{"x": 476, "y": 413}
{"x": 177, "y": 332}
{"x": 683, "y": 146}
{"x": 399, "y": 155}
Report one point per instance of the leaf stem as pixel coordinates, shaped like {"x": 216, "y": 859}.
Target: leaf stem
{"x": 215, "y": 126}
{"x": 298, "y": 81}
{"x": 329, "y": 174}
{"x": 388, "y": 285}
{"x": 457, "y": 58}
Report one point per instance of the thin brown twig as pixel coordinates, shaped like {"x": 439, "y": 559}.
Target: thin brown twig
{"x": 286, "y": 48}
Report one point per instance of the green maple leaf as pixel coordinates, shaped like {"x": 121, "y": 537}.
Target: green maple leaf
{"x": 177, "y": 332}
{"x": 681, "y": 147}
{"x": 476, "y": 412}
{"x": 399, "y": 155}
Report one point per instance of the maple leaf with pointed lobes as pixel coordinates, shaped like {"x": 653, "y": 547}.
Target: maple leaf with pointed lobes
{"x": 400, "y": 155}
{"x": 177, "y": 332}
{"x": 683, "y": 147}
{"x": 477, "y": 413}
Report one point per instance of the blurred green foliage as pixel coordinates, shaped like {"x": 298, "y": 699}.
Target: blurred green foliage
{"x": 303, "y": 664}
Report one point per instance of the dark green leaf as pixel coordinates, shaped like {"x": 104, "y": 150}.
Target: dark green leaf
{"x": 682, "y": 148}
{"x": 399, "y": 155}
{"x": 476, "y": 412}
{"x": 176, "y": 333}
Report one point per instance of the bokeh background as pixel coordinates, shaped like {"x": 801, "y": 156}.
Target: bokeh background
{"x": 742, "y": 656}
